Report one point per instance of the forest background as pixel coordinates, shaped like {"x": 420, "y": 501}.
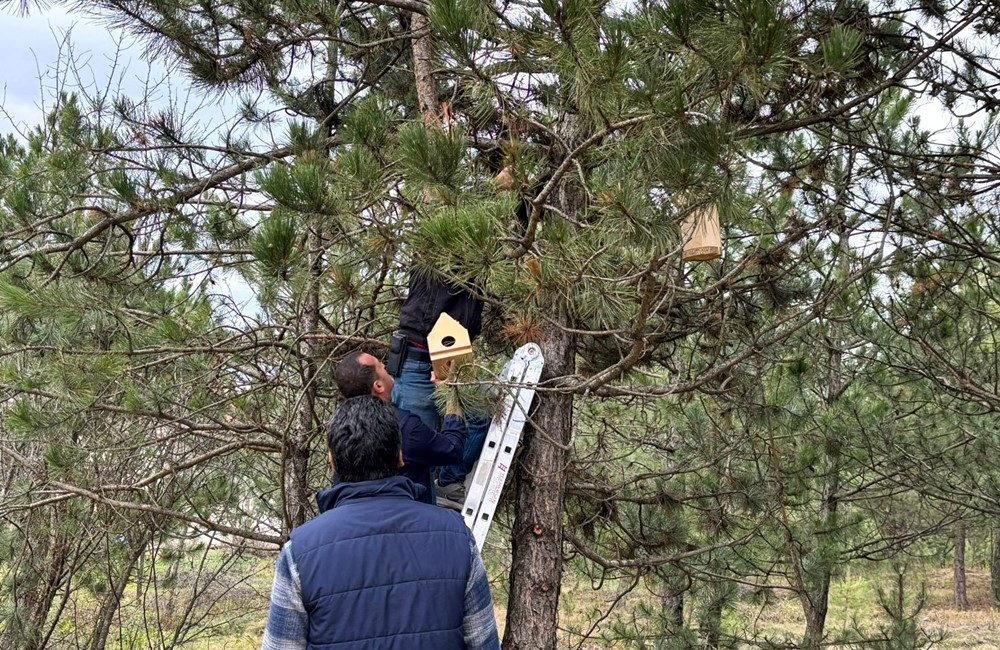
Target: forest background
{"x": 779, "y": 448}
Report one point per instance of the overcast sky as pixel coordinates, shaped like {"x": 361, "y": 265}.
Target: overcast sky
{"x": 30, "y": 49}
{"x": 30, "y": 52}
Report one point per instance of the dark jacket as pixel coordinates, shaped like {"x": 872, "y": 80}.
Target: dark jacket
{"x": 381, "y": 570}
{"x": 429, "y": 297}
{"x": 424, "y": 448}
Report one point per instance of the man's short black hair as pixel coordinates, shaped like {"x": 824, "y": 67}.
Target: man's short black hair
{"x": 364, "y": 439}
{"x": 353, "y": 377}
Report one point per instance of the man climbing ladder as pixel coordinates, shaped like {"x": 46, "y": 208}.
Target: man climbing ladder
{"x": 410, "y": 363}
{"x": 410, "y": 360}
{"x": 428, "y": 297}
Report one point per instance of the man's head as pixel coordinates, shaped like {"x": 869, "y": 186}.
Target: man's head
{"x": 359, "y": 373}
{"x": 365, "y": 443}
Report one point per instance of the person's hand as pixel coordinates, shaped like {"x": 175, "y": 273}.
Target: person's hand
{"x": 453, "y": 408}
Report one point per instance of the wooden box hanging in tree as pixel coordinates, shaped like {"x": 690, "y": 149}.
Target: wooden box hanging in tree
{"x": 701, "y": 235}
{"x": 448, "y": 343}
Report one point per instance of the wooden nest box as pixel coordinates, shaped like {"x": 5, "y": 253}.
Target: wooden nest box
{"x": 448, "y": 343}
{"x": 701, "y": 235}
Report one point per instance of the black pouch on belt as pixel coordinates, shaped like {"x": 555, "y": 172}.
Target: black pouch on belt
{"x": 397, "y": 354}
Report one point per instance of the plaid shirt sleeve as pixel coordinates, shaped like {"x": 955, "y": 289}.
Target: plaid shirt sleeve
{"x": 287, "y": 626}
{"x": 479, "y": 626}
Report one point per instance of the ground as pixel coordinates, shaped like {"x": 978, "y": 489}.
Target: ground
{"x": 854, "y": 597}
{"x": 853, "y": 603}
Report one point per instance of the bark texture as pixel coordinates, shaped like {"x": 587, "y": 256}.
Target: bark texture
{"x": 112, "y": 599}
{"x": 673, "y": 606}
{"x": 961, "y": 595}
{"x": 819, "y": 596}
{"x": 816, "y": 600}
{"x": 423, "y": 70}
{"x": 995, "y": 570}
{"x": 43, "y": 569}
{"x": 298, "y": 503}
{"x": 536, "y": 567}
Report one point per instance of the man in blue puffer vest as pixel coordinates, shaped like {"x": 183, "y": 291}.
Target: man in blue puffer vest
{"x": 378, "y": 569}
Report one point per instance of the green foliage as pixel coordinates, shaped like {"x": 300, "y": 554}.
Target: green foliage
{"x": 277, "y": 244}
{"x": 840, "y": 49}
{"x": 902, "y": 630}
{"x": 302, "y": 186}
{"x": 465, "y": 239}
{"x": 432, "y": 157}
{"x": 461, "y": 24}
{"x": 466, "y": 391}
{"x": 359, "y": 176}
{"x": 743, "y": 431}
{"x": 369, "y": 123}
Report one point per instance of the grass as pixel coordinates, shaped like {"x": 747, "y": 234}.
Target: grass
{"x": 240, "y": 613}
{"x": 854, "y": 604}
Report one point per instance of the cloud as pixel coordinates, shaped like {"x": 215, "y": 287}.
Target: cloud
{"x": 36, "y": 51}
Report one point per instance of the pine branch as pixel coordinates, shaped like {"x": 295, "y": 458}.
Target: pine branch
{"x": 143, "y": 209}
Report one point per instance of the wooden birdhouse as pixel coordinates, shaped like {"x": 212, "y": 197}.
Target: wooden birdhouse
{"x": 701, "y": 235}
{"x": 448, "y": 343}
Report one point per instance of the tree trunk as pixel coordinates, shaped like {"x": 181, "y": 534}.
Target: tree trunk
{"x": 817, "y": 599}
{"x": 112, "y": 599}
{"x": 536, "y": 567}
{"x": 995, "y": 570}
{"x": 297, "y": 446}
{"x": 40, "y": 572}
{"x": 961, "y": 597}
{"x": 673, "y": 618}
{"x": 816, "y": 618}
{"x": 673, "y": 608}
{"x": 673, "y": 585}
{"x": 423, "y": 71}
{"x": 819, "y": 594}
{"x": 536, "y": 564}
{"x": 713, "y": 623}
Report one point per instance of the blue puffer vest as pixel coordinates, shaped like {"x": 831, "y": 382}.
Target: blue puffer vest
{"x": 382, "y": 570}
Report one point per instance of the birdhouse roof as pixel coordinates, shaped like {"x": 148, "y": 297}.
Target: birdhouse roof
{"x": 447, "y": 327}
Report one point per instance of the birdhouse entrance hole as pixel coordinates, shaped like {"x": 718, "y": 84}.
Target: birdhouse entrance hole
{"x": 448, "y": 344}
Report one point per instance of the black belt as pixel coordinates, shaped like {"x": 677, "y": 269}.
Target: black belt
{"x": 417, "y": 354}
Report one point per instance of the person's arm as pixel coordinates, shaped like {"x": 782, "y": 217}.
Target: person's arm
{"x": 479, "y": 626}
{"x": 287, "y": 623}
{"x": 421, "y": 444}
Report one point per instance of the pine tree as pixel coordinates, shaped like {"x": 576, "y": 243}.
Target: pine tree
{"x": 109, "y": 390}
{"x": 695, "y": 416}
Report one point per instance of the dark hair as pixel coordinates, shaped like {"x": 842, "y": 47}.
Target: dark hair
{"x": 353, "y": 377}
{"x": 364, "y": 439}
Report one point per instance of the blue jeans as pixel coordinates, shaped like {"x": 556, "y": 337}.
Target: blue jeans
{"x": 478, "y": 426}
{"x": 414, "y": 392}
